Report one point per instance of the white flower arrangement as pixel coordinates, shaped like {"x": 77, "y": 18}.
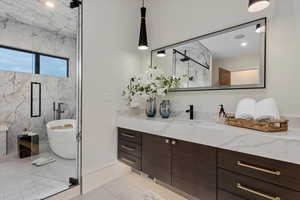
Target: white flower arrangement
{"x": 151, "y": 85}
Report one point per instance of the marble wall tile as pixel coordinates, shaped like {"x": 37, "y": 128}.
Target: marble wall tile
{"x": 15, "y": 87}
{"x": 16, "y": 109}
{"x": 3, "y": 143}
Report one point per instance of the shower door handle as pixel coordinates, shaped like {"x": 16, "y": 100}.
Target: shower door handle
{"x": 35, "y": 105}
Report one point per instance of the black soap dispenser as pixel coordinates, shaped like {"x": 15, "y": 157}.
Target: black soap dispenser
{"x": 222, "y": 114}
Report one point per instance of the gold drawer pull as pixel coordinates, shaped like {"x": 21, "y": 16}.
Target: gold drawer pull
{"x": 241, "y": 187}
{"x": 127, "y": 135}
{"x": 128, "y": 161}
{"x": 277, "y": 173}
{"x": 127, "y": 148}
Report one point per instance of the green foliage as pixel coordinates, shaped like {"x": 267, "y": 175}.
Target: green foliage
{"x": 151, "y": 85}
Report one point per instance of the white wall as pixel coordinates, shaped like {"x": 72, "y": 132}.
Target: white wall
{"x": 172, "y": 21}
{"x": 245, "y": 77}
{"x": 238, "y": 65}
{"x": 110, "y": 35}
{"x": 111, "y": 29}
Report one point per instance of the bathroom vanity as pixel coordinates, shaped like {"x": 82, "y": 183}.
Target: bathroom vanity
{"x": 212, "y": 161}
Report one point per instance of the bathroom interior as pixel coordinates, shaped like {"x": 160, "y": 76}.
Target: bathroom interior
{"x": 149, "y": 100}
{"x": 38, "y": 104}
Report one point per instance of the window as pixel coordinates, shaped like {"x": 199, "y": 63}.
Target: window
{"x": 53, "y": 66}
{"x": 17, "y": 60}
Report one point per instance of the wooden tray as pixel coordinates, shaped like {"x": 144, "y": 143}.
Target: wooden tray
{"x": 265, "y": 126}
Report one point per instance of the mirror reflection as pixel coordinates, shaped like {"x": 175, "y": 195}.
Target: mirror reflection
{"x": 228, "y": 59}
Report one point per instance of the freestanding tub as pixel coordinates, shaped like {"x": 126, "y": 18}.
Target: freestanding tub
{"x": 63, "y": 141}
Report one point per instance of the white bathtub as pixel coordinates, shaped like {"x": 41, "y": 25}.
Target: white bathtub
{"x": 63, "y": 141}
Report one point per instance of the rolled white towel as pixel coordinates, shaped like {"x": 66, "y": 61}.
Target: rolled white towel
{"x": 245, "y": 109}
{"x": 43, "y": 161}
{"x": 266, "y": 109}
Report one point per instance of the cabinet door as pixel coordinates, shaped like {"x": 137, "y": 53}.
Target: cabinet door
{"x": 156, "y": 157}
{"x": 194, "y": 169}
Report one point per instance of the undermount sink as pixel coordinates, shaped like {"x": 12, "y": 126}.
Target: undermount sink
{"x": 196, "y": 123}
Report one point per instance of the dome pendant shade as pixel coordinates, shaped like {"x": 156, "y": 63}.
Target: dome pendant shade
{"x": 260, "y": 28}
{"x": 161, "y": 53}
{"x": 258, "y": 5}
{"x": 143, "y": 41}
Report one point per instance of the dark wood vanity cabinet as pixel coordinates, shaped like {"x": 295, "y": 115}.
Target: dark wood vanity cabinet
{"x": 209, "y": 173}
{"x": 188, "y": 167}
{"x": 224, "y": 195}
{"x": 255, "y": 178}
{"x": 194, "y": 169}
{"x": 253, "y": 189}
{"x": 129, "y": 147}
{"x": 156, "y": 159}
{"x": 268, "y": 170}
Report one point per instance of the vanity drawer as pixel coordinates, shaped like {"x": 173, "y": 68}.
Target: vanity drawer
{"x": 130, "y": 135}
{"x": 273, "y": 171}
{"x": 253, "y": 189}
{"x": 130, "y": 148}
{"x": 223, "y": 195}
{"x": 130, "y": 160}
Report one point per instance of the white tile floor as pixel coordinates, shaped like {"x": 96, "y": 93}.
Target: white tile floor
{"x": 20, "y": 180}
{"x": 131, "y": 187}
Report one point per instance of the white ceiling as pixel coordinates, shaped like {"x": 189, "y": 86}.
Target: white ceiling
{"x": 60, "y": 19}
{"x": 226, "y": 46}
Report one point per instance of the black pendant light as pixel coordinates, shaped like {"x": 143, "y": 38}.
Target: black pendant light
{"x": 143, "y": 41}
{"x": 258, "y": 5}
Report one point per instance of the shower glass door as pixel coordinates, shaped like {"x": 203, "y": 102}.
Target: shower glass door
{"x": 38, "y": 98}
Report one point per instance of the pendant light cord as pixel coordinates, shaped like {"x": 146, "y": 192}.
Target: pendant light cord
{"x": 143, "y": 3}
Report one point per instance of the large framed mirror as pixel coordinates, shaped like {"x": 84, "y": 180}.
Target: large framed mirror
{"x": 233, "y": 58}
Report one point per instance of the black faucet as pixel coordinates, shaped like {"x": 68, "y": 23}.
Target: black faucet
{"x": 57, "y": 111}
{"x": 191, "y": 111}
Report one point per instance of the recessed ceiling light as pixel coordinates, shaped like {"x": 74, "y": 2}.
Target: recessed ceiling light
{"x": 161, "y": 53}
{"x": 50, "y": 4}
{"x": 258, "y": 5}
{"x": 244, "y": 44}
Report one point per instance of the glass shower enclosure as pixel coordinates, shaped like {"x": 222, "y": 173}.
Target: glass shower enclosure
{"x": 194, "y": 61}
{"x": 40, "y": 64}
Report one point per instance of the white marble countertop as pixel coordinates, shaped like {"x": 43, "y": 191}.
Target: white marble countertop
{"x": 284, "y": 146}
